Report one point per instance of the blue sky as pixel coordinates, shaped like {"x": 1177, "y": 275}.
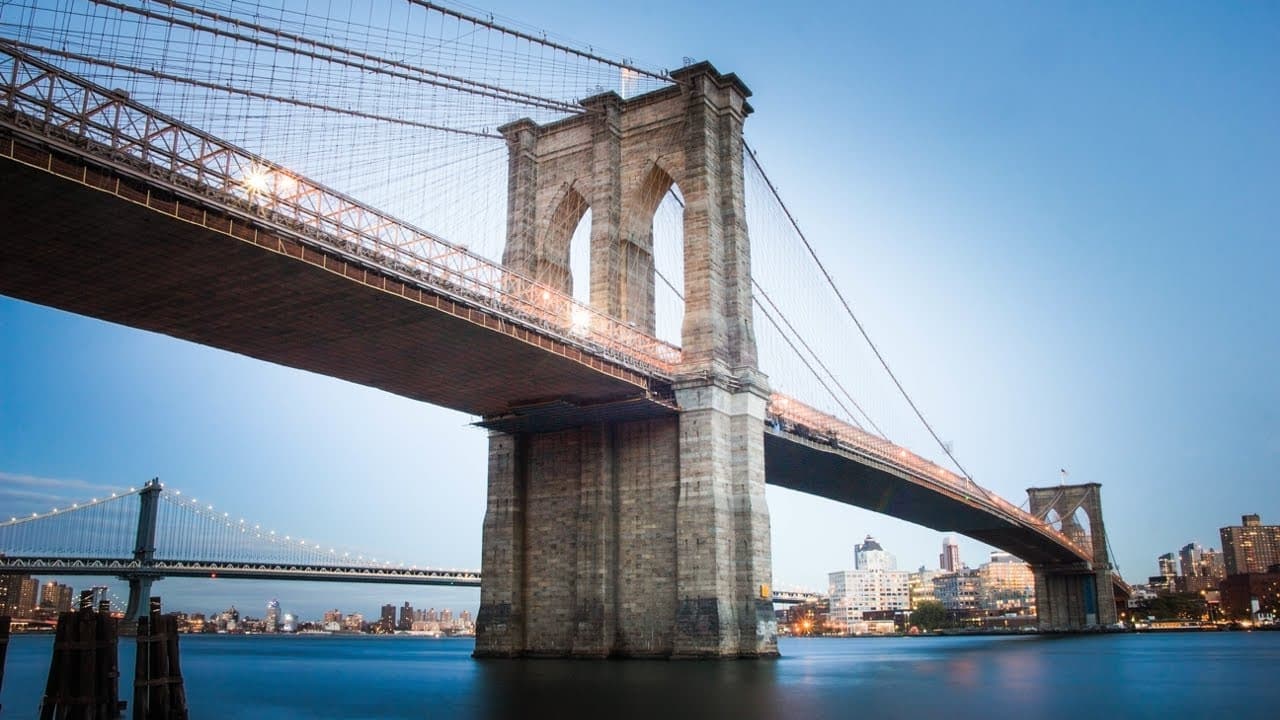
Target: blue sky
{"x": 1058, "y": 221}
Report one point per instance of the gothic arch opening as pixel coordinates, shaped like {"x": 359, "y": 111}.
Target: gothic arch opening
{"x": 1080, "y": 530}
{"x": 655, "y": 261}
{"x": 556, "y": 260}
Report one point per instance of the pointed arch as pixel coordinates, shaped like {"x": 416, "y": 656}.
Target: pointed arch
{"x": 553, "y": 266}
{"x": 637, "y": 262}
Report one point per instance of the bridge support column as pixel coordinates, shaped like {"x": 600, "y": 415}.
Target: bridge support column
{"x": 1077, "y": 597}
{"x": 723, "y": 549}
{"x": 144, "y": 551}
{"x": 139, "y": 601}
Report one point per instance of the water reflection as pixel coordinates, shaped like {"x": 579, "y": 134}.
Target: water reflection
{"x": 629, "y": 688}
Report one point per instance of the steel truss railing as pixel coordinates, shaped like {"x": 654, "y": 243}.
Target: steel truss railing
{"x": 795, "y": 417}
{"x": 52, "y": 103}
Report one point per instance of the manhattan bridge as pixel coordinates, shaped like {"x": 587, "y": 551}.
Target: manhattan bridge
{"x": 582, "y": 252}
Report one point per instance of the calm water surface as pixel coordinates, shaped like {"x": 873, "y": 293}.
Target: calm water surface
{"x": 1209, "y": 675}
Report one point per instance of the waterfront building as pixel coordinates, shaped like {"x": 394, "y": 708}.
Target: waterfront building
{"x": 876, "y": 584}
{"x": 1250, "y": 547}
{"x": 353, "y": 622}
{"x": 406, "y": 616}
{"x": 334, "y": 616}
{"x": 957, "y": 590}
{"x": 1252, "y": 596}
{"x": 1005, "y": 584}
{"x": 949, "y": 560}
{"x": 271, "y": 623}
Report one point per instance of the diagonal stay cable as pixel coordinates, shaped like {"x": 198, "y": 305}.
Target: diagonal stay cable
{"x": 830, "y": 281}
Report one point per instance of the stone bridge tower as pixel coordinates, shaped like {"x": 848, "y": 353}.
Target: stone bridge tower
{"x": 637, "y": 537}
{"x": 1079, "y": 596}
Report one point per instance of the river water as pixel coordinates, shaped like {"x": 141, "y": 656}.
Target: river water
{"x": 1167, "y": 675}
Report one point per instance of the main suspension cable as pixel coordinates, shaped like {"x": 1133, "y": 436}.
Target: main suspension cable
{"x": 849, "y": 310}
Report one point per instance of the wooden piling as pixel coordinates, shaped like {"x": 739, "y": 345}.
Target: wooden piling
{"x": 158, "y": 692}
{"x": 83, "y": 681}
{"x": 4, "y": 645}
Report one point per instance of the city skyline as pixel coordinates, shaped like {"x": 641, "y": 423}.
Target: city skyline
{"x": 1056, "y": 289}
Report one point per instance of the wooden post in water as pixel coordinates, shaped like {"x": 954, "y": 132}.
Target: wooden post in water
{"x": 4, "y": 645}
{"x": 84, "y": 675}
{"x": 158, "y": 693}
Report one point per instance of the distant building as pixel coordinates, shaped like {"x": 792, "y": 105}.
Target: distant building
{"x": 406, "y": 616}
{"x": 949, "y": 560}
{"x": 271, "y": 623}
{"x": 1189, "y": 559}
{"x": 333, "y": 616}
{"x": 1006, "y": 584}
{"x": 876, "y": 584}
{"x": 55, "y": 598}
{"x": 920, "y": 585}
{"x": 1213, "y": 564}
{"x": 1168, "y": 564}
{"x": 870, "y": 556}
{"x": 806, "y": 618}
{"x": 1246, "y": 596}
{"x": 353, "y": 622}
{"x": 1251, "y": 546}
{"x": 957, "y": 590}
{"x": 18, "y": 593}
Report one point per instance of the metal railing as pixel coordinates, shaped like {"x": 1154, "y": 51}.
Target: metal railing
{"x": 56, "y": 105}
{"x": 797, "y": 418}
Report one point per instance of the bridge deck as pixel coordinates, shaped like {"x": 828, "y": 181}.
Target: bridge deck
{"x": 145, "y": 260}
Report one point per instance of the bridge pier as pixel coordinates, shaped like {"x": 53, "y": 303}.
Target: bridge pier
{"x": 646, "y": 538}
{"x": 1075, "y": 597}
{"x": 637, "y": 537}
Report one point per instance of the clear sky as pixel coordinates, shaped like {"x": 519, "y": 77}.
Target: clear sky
{"x": 1058, "y": 220}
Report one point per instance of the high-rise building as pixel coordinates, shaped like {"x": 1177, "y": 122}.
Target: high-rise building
{"x": 1168, "y": 567}
{"x": 870, "y": 556}
{"x": 1189, "y": 557}
{"x": 334, "y": 616}
{"x": 949, "y": 560}
{"x": 353, "y": 622}
{"x": 1006, "y": 584}
{"x": 272, "y": 622}
{"x": 18, "y": 595}
{"x": 406, "y": 616}
{"x": 55, "y": 598}
{"x": 1250, "y": 547}
{"x": 1213, "y": 564}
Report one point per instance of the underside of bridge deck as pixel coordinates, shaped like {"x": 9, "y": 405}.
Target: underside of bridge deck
{"x": 121, "y": 255}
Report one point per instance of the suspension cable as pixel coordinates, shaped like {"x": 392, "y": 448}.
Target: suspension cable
{"x": 504, "y": 95}
{"x": 830, "y": 281}
{"x": 293, "y": 37}
{"x": 490, "y": 24}
{"x": 231, "y": 89}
